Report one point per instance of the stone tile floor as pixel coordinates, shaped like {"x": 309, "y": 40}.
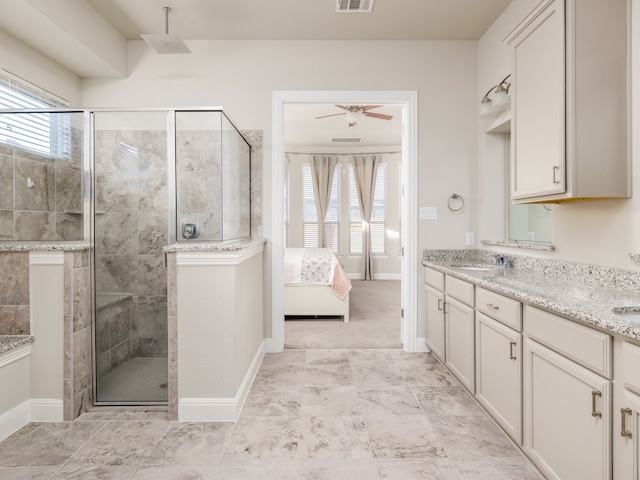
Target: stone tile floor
{"x": 311, "y": 414}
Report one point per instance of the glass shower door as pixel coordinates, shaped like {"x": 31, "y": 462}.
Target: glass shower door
{"x": 129, "y": 229}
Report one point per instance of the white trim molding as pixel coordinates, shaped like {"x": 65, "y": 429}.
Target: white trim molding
{"x": 409, "y": 275}
{"x": 46, "y": 258}
{"x": 13, "y": 420}
{"x": 226, "y": 409}
{"x": 47, "y": 410}
{"x": 14, "y": 355}
{"x": 220, "y": 258}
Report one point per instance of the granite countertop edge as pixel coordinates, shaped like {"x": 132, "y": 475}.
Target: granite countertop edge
{"x": 43, "y": 247}
{"x": 213, "y": 246}
{"x": 12, "y": 342}
{"x": 579, "y": 302}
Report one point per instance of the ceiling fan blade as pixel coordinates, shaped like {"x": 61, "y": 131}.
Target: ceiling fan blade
{"x": 332, "y": 115}
{"x": 381, "y": 116}
{"x": 369, "y": 107}
{"x": 344, "y": 107}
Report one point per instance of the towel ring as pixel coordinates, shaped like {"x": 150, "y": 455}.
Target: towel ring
{"x": 455, "y": 202}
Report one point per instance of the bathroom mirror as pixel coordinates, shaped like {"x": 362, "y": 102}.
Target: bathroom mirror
{"x": 525, "y": 222}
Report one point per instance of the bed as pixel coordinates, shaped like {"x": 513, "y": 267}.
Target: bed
{"x": 315, "y": 284}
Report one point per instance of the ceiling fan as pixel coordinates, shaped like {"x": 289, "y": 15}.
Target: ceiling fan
{"x": 356, "y": 112}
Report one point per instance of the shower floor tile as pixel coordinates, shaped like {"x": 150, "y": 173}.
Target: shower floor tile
{"x": 140, "y": 379}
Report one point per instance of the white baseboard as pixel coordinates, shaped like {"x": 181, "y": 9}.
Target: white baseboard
{"x": 270, "y": 346}
{"x": 421, "y": 346}
{"x": 47, "y": 410}
{"x": 14, "y": 419}
{"x": 226, "y": 409}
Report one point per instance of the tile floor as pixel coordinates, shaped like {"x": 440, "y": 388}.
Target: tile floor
{"x": 311, "y": 414}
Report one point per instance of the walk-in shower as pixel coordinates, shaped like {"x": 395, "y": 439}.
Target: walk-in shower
{"x": 128, "y": 183}
{"x": 160, "y": 177}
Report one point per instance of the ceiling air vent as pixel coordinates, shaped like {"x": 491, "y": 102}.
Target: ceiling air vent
{"x": 346, "y": 139}
{"x": 354, "y": 6}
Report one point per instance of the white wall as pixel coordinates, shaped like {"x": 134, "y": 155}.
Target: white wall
{"x": 241, "y": 76}
{"x": 601, "y": 232}
{"x": 25, "y": 62}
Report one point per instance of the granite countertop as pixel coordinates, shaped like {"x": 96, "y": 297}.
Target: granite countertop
{"x": 42, "y": 246}
{"x": 566, "y": 295}
{"x": 11, "y": 342}
{"x": 213, "y": 246}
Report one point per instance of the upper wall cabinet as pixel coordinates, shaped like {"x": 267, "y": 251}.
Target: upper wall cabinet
{"x": 569, "y": 100}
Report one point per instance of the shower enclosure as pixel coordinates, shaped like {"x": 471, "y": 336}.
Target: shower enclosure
{"x": 160, "y": 177}
{"x": 129, "y": 183}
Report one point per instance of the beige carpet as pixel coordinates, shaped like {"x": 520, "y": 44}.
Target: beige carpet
{"x": 374, "y": 322}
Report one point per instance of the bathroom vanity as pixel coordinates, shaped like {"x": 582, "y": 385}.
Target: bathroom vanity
{"x": 548, "y": 349}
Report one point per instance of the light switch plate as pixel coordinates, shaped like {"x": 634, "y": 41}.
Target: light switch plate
{"x": 470, "y": 238}
{"x": 428, "y": 213}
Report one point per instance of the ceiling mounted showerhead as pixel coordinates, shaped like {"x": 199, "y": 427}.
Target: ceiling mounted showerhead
{"x": 166, "y": 43}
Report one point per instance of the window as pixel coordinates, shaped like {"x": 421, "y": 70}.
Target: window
{"x": 44, "y": 133}
{"x": 378, "y": 214}
{"x": 310, "y": 215}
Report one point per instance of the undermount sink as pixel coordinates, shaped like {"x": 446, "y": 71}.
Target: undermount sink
{"x": 629, "y": 313}
{"x": 479, "y": 268}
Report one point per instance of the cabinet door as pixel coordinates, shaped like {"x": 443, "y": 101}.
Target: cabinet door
{"x": 567, "y": 416}
{"x": 499, "y": 373}
{"x": 538, "y": 102}
{"x": 625, "y": 437}
{"x": 434, "y": 328}
{"x": 460, "y": 342}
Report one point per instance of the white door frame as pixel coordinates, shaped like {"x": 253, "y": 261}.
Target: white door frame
{"x": 410, "y": 261}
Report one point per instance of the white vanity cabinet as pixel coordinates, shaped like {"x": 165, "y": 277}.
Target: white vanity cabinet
{"x": 626, "y": 411}
{"x": 434, "y": 325}
{"x": 567, "y": 406}
{"x": 499, "y": 359}
{"x": 460, "y": 330}
{"x": 569, "y": 102}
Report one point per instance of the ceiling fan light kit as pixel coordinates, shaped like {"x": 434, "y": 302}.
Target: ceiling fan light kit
{"x": 354, "y": 113}
{"x": 166, "y": 43}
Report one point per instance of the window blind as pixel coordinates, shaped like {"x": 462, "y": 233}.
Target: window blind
{"x": 44, "y": 133}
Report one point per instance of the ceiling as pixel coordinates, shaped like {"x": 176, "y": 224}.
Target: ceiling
{"x": 303, "y": 19}
{"x": 89, "y": 38}
{"x": 301, "y": 128}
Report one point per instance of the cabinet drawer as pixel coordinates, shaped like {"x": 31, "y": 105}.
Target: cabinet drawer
{"x": 584, "y": 345}
{"x": 499, "y": 307}
{"x": 434, "y": 279}
{"x": 630, "y": 362}
{"x": 460, "y": 290}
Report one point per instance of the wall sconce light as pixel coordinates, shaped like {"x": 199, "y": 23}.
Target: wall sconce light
{"x": 500, "y": 101}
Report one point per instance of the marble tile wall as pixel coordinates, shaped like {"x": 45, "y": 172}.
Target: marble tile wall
{"x": 77, "y": 386}
{"x": 40, "y": 196}
{"x": 199, "y": 187}
{"x": 131, "y": 229}
{"x": 254, "y": 137}
{"x": 14, "y": 293}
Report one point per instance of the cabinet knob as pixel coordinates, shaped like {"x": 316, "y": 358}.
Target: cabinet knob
{"x": 493, "y": 307}
{"x": 511, "y": 355}
{"x": 440, "y": 304}
{"x": 556, "y": 171}
{"x": 623, "y": 422}
{"x": 594, "y": 395}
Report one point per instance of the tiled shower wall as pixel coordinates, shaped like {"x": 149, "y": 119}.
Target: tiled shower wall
{"x": 14, "y": 293}
{"x": 77, "y": 387}
{"x": 130, "y": 231}
{"x": 41, "y": 197}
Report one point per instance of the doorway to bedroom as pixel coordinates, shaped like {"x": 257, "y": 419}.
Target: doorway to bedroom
{"x": 343, "y": 201}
